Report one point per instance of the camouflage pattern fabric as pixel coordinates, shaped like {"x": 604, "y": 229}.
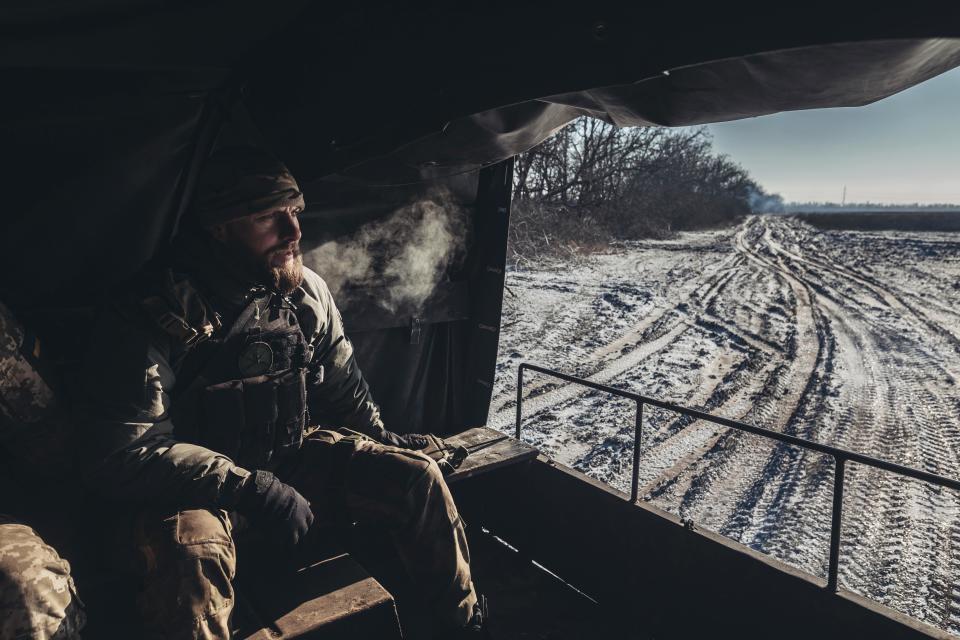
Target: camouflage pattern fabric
{"x": 38, "y": 600}
{"x": 25, "y": 397}
{"x": 188, "y": 564}
{"x": 34, "y": 432}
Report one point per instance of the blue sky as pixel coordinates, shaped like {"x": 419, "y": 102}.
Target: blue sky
{"x": 905, "y": 148}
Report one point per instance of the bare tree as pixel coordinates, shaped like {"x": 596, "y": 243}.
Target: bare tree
{"x": 584, "y": 164}
{"x": 592, "y": 182}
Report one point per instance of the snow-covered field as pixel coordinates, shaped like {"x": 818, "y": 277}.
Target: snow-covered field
{"x": 843, "y": 337}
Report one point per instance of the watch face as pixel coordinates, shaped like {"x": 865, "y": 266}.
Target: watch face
{"x": 255, "y": 359}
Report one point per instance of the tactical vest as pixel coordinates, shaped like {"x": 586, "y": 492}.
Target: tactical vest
{"x": 241, "y": 389}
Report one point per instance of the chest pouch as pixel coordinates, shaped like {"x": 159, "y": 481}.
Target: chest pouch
{"x": 255, "y": 421}
{"x": 247, "y": 397}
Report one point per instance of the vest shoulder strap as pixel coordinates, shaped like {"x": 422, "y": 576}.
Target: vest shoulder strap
{"x": 209, "y": 357}
{"x": 177, "y": 307}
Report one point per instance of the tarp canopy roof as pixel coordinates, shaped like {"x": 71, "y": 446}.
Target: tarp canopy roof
{"x": 392, "y": 92}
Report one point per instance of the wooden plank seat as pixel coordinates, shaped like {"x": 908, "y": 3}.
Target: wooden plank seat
{"x": 331, "y": 598}
{"x": 489, "y": 450}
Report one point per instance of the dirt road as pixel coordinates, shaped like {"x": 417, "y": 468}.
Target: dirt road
{"x": 844, "y": 337}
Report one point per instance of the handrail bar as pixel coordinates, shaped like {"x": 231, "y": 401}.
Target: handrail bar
{"x": 840, "y": 456}
{"x": 836, "y": 452}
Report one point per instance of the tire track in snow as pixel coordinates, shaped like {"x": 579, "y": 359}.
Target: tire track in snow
{"x": 878, "y": 376}
{"x": 784, "y": 387}
{"x": 608, "y": 360}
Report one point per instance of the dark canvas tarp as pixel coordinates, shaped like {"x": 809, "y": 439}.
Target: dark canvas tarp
{"x": 840, "y": 75}
{"x": 335, "y": 86}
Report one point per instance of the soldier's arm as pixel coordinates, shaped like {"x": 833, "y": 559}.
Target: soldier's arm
{"x": 343, "y": 398}
{"x": 33, "y": 428}
{"x": 130, "y": 451}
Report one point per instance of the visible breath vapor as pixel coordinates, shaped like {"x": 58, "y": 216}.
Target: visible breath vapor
{"x": 407, "y": 254}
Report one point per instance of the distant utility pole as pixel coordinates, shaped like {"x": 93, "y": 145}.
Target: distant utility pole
{"x": 843, "y": 198}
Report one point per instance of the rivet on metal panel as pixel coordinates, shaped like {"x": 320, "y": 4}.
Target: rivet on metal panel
{"x": 600, "y": 30}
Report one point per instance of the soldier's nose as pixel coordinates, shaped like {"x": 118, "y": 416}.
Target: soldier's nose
{"x": 291, "y": 227}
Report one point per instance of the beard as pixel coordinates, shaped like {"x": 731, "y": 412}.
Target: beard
{"x": 254, "y": 267}
{"x": 287, "y": 278}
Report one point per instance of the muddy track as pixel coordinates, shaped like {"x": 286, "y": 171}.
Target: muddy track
{"x": 608, "y": 360}
{"x": 894, "y": 418}
{"x": 731, "y": 464}
{"x": 892, "y": 297}
{"x": 792, "y": 329}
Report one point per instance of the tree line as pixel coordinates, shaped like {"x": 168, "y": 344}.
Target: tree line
{"x": 593, "y": 182}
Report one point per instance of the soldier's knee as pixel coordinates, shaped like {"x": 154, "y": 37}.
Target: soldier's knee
{"x": 395, "y": 484}
{"x": 430, "y": 478}
{"x": 189, "y": 565}
{"x": 185, "y": 535}
{"x": 37, "y": 595}
{"x": 427, "y": 504}
{"x": 423, "y": 474}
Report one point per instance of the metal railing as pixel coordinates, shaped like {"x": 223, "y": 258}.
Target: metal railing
{"x": 840, "y": 456}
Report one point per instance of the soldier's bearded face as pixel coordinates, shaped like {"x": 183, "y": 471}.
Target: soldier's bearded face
{"x": 270, "y": 242}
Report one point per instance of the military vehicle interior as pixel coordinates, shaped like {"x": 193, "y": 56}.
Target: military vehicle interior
{"x": 112, "y": 108}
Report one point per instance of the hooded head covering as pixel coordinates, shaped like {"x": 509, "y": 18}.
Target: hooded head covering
{"x": 237, "y": 182}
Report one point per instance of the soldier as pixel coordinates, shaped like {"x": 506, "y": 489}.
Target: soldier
{"x": 38, "y": 599}
{"x": 210, "y": 381}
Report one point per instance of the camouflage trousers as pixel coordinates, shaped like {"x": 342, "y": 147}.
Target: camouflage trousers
{"x": 38, "y": 600}
{"x": 190, "y": 556}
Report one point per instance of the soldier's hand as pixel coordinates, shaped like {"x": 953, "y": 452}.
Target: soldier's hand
{"x": 405, "y": 441}
{"x": 278, "y": 507}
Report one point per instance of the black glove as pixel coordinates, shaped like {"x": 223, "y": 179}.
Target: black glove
{"x": 279, "y": 507}
{"x": 406, "y": 441}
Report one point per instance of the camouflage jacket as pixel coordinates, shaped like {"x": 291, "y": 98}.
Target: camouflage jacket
{"x": 133, "y": 451}
{"x": 35, "y": 457}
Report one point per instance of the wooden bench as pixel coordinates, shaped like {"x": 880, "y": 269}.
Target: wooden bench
{"x": 489, "y": 450}
{"x": 331, "y": 599}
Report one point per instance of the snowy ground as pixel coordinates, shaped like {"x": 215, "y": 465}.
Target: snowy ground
{"x": 843, "y": 337}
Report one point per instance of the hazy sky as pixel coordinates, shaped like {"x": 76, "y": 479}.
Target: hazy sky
{"x": 903, "y": 149}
